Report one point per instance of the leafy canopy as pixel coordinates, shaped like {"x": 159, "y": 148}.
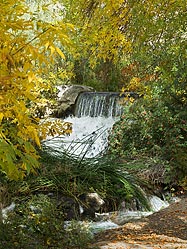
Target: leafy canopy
{"x": 27, "y": 48}
{"x": 148, "y": 38}
{"x": 158, "y": 33}
{"x": 98, "y": 23}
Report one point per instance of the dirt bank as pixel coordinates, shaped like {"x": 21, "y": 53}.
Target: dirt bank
{"x": 164, "y": 229}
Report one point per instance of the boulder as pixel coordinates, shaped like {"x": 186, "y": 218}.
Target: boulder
{"x": 66, "y": 103}
{"x": 90, "y": 203}
{"x": 83, "y": 207}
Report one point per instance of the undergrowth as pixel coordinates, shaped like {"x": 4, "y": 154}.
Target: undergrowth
{"x": 37, "y": 222}
{"x": 156, "y": 129}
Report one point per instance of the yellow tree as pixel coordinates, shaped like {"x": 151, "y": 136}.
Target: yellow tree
{"x": 100, "y": 27}
{"x": 100, "y": 42}
{"x": 148, "y": 37}
{"x": 27, "y": 49}
{"x": 158, "y": 33}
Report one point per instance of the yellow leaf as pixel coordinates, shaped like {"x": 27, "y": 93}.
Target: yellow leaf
{"x": 37, "y": 140}
{"x": 47, "y": 45}
{"x": 1, "y": 117}
{"x": 60, "y": 53}
{"x": 48, "y": 242}
{"x": 71, "y": 26}
{"x": 52, "y": 50}
{"x": 31, "y": 77}
{"x": 24, "y": 167}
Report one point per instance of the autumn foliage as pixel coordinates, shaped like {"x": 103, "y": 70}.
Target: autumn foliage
{"x": 146, "y": 41}
{"x": 27, "y": 48}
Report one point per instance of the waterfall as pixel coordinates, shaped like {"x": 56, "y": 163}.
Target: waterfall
{"x": 89, "y": 136}
{"x": 94, "y": 115}
{"x": 98, "y": 104}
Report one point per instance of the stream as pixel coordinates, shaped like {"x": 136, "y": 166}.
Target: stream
{"x": 118, "y": 218}
{"x": 95, "y": 116}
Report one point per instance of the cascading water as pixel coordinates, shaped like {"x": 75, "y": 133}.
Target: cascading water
{"x": 95, "y": 114}
{"x": 98, "y": 104}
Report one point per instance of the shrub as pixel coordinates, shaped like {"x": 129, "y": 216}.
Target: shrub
{"x": 36, "y": 223}
{"x": 154, "y": 128}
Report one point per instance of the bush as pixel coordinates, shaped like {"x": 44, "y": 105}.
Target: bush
{"x": 152, "y": 127}
{"x": 36, "y": 223}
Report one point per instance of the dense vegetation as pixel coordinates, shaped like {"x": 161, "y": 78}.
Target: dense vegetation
{"x": 111, "y": 46}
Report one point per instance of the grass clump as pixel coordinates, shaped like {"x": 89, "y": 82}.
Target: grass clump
{"x": 105, "y": 175}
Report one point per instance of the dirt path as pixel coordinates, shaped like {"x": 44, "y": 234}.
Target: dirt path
{"x": 164, "y": 229}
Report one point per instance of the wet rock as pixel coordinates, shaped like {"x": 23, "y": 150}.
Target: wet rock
{"x": 66, "y": 103}
{"x": 84, "y": 207}
{"x": 90, "y": 202}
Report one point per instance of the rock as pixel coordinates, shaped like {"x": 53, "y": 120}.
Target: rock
{"x": 68, "y": 99}
{"x": 131, "y": 205}
{"x": 90, "y": 202}
{"x": 83, "y": 207}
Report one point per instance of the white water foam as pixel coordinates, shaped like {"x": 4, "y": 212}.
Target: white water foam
{"x": 115, "y": 219}
{"x": 89, "y": 137}
{"x": 157, "y": 203}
